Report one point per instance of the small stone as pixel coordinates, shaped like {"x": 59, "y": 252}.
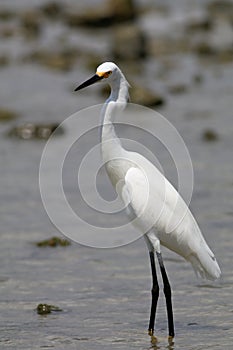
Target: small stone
{"x": 122, "y": 10}
{"x": 220, "y": 8}
{"x": 7, "y": 115}
{"x": 53, "y": 242}
{"x": 25, "y": 131}
{"x": 145, "y": 97}
{"x": 52, "y": 10}
{"x": 210, "y": 135}
{"x": 30, "y": 131}
{"x": 45, "y": 309}
{"x": 44, "y": 131}
{"x": 6, "y": 14}
{"x": 111, "y": 12}
{"x": 7, "y": 31}
{"x": 201, "y": 24}
{"x": 57, "y": 60}
{"x": 4, "y": 61}
{"x": 192, "y": 324}
{"x": 204, "y": 49}
{"x": 31, "y": 24}
{"x": 219, "y": 55}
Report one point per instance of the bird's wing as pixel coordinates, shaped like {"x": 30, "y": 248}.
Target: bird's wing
{"x": 172, "y": 220}
{"x": 135, "y": 194}
{"x": 150, "y": 195}
{"x": 135, "y": 190}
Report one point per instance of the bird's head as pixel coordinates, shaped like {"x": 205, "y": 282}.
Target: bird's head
{"x": 107, "y": 72}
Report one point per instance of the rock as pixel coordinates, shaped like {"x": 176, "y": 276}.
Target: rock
{"x": 52, "y": 10}
{"x": 203, "y": 48}
{"x": 31, "y": 24}
{"x": 128, "y": 43}
{"x": 58, "y": 60}
{"x": 122, "y": 10}
{"x": 112, "y": 12}
{"x": 44, "y": 131}
{"x": 225, "y": 56}
{"x": 7, "y": 115}
{"x": 53, "y": 242}
{"x": 145, "y": 97}
{"x": 45, "y": 309}
{"x": 221, "y": 8}
{"x": 6, "y": 14}
{"x": 200, "y": 25}
{"x": 206, "y": 50}
{"x": 30, "y": 131}
{"x": 25, "y": 131}
{"x": 4, "y": 61}
{"x": 7, "y": 31}
{"x": 210, "y": 135}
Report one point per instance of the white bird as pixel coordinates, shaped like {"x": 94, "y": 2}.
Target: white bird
{"x": 160, "y": 212}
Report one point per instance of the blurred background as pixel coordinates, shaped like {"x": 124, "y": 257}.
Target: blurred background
{"x": 178, "y": 58}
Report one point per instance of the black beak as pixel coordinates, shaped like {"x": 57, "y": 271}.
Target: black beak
{"x": 88, "y": 82}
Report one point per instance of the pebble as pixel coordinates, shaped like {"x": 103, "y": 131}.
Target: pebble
{"x": 31, "y": 24}
{"x": 111, "y": 12}
{"x": 7, "y": 115}
{"x": 53, "y": 242}
{"x": 52, "y": 10}
{"x": 145, "y": 97}
{"x": 30, "y": 131}
{"x": 62, "y": 60}
{"x": 44, "y": 309}
{"x": 210, "y": 135}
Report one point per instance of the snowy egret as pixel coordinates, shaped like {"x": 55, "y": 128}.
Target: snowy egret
{"x": 161, "y": 213}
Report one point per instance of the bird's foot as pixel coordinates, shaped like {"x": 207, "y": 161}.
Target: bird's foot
{"x": 170, "y": 340}
{"x": 154, "y": 339}
{"x": 150, "y": 332}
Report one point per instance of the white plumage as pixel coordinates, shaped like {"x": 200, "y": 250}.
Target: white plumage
{"x": 160, "y": 210}
{"x": 157, "y": 208}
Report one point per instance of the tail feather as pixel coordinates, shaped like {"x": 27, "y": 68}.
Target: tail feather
{"x": 204, "y": 263}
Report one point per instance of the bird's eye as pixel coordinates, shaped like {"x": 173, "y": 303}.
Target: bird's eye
{"x": 106, "y": 74}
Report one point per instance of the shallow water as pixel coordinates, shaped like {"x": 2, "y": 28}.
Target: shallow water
{"x": 105, "y": 293}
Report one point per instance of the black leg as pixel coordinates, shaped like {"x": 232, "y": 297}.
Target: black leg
{"x": 168, "y": 296}
{"x": 155, "y": 295}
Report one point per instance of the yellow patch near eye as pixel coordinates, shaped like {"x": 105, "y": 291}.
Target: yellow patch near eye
{"x": 104, "y": 74}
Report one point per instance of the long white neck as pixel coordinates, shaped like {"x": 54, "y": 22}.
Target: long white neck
{"x": 111, "y": 145}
